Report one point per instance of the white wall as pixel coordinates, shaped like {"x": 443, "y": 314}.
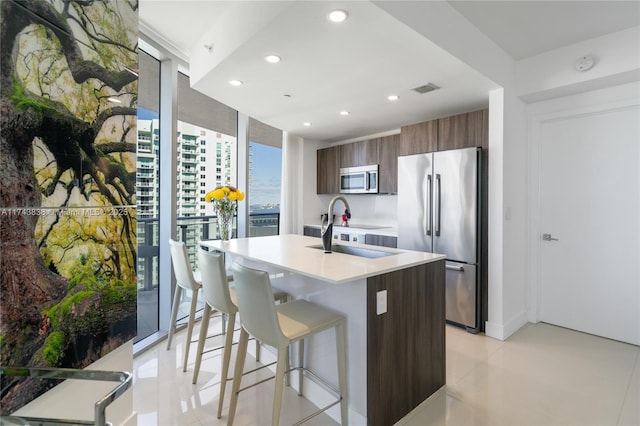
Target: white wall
{"x": 313, "y": 203}
{"x": 552, "y": 74}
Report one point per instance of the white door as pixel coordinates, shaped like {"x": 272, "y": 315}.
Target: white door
{"x": 590, "y": 203}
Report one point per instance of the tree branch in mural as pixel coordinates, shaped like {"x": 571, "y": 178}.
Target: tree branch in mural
{"x": 67, "y": 184}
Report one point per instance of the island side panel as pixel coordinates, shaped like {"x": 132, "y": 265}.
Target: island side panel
{"x": 405, "y": 345}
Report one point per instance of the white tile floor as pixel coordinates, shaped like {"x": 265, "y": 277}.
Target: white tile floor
{"x": 542, "y": 375}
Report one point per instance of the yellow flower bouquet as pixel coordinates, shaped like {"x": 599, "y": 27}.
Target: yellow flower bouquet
{"x": 225, "y": 204}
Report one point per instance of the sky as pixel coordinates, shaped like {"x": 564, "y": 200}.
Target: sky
{"x": 266, "y": 165}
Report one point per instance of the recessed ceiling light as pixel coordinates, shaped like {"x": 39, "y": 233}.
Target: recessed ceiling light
{"x": 115, "y": 100}
{"x": 235, "y": 82}
{"x": 344, "y": 112}
{"x": 338, "y": 15}
{"x": 393, "y": 97}
{"x": 306, "y": 123}
{"x": 272, "y": 59}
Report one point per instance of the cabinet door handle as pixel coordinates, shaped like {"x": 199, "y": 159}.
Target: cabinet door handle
{"x": 454, "y": 268}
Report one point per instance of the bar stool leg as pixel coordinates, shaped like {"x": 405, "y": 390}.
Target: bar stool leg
{"x": 204, "y": 327}
{"x": 281, "y": 368}
{"x": 287, "y": 377}
{"x": 192, "y": 320}
{"x": 174, "y": 314}
{"x": 301, "y": 365}
{"x": 342, "y": 373}
{"x": 226, "y": 357}
{"x": 237, "y": 374}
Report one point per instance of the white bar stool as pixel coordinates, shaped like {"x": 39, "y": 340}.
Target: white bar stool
{"x": 222, "y": 298}
{"x": 185, "y": 281}
{"x": 279, "y": 326}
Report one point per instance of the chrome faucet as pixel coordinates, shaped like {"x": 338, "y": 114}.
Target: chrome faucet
{"x": 327, "y": 228}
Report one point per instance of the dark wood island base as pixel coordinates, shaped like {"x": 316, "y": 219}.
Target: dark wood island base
{"x": 405, "y": 345}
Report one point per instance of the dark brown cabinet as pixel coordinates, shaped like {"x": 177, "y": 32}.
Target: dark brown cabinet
{"x": 419, "y": 138}
{"x": 458, "y": 131}
{"x": 406, "y": 344}
{"x": 464, "y": 130}
{"x": 327, "y": 173}
{"x": 388, "y": 161}
{"x": 311, "y": 231}
{"x": 352, "y": 154}
{"x": 381, "y": 240}
{"x": 382, "y": 151}
{"x": 361, "y": 153}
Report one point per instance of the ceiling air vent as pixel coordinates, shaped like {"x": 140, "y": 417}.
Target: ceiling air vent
{"x": 429, "y": 87}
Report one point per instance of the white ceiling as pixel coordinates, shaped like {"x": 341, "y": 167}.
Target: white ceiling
{"x": 355, "y": 65}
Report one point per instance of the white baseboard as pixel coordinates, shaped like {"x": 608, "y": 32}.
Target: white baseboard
{"x": 503, "y": 331}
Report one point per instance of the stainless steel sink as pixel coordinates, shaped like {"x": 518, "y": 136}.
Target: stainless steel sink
{"x": 356, "y": 251}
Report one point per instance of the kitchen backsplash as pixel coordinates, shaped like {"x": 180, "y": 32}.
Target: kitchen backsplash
{"x": 365, "y": 209}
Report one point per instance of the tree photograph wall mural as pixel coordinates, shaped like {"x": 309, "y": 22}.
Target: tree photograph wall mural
{"x": 68, "y": 92}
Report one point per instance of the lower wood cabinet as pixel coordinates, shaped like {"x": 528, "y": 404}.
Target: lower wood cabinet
{"x": 405, "y": 345}
{"x": 381, "y": 240}
{"x": 311, "y": 231}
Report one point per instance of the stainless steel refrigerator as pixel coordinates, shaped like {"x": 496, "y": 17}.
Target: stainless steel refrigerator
{"x": 439, "y": 212}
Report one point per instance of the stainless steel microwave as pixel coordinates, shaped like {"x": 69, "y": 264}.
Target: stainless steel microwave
{"x": 359, "y": 180}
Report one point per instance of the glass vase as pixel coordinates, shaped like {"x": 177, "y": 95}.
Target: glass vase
{"x": 225, "y": 225}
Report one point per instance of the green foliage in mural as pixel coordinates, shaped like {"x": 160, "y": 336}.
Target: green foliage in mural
{"x": 67, "y": 183}
{"x": 54, "y": 346}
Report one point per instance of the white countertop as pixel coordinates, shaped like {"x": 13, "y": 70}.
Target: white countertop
{"x": 291, "y": 253}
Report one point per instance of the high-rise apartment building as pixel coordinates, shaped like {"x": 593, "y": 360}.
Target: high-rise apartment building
{"x": 205, "y": 159}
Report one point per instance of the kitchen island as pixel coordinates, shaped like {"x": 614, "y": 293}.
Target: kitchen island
{"x": 394, "y": 306}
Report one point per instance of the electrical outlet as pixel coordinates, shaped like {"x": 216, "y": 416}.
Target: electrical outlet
{"x": 381, "y": 302}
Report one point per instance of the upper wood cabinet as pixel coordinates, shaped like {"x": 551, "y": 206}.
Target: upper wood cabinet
{"x": 381, "y": 151}
{"x": 464, "y": 130}
{"x": 388, "y": 164}
{"x": 361, "y": 153}
{"x": 352, "y": 154}
{"x": 328, "y": 173}
{"x": 419, "y": 138}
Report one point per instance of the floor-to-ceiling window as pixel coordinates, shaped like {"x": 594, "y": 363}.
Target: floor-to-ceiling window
{"x": 265, "y": 170}
{"x": 207, "y": 158}
{"x": 147, "y": 193}
{"x": 206, "y": 150}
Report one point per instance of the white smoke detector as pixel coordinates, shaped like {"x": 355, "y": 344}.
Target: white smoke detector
{"x": 585, "y": 63}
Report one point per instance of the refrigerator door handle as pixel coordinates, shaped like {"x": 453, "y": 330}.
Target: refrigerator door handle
{"x": 454, "y": 268}
{"x": 437, "y": 208}
{"x": 427, "y": 205}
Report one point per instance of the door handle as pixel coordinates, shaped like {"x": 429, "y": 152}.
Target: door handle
{"x": 427, "y": 205}
{"x": 454, "y": 268}
{"x": 437, "y": 208}
{"x": 548, "y": 237}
